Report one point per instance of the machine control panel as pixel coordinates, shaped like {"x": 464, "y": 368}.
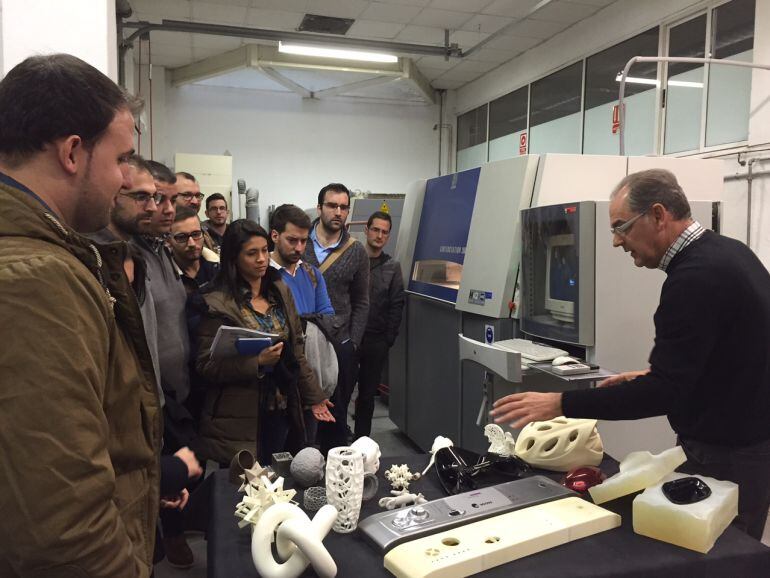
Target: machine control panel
{"x": 388, "y": 529}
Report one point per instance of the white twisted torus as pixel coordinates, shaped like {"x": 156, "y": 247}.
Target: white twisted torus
{"x": 298, "y": 542}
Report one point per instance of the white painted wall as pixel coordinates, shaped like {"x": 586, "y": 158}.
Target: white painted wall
{"x": 289, "y": 148}
{"x": 85, "y": 28}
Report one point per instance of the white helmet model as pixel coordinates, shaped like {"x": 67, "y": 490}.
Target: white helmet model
{"x": 560, "y": 444}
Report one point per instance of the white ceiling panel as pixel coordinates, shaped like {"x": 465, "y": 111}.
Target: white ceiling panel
{"x": 600, "y": 3}
{"x": 288, "y": 5}
{"x": 444, "y": 19}
{"x": 422, "y": 35}
{"x": 431, "y": 73}
{"x": 567, "y": 12}
{"x": 246, "y": 78}
{"x": 170, "y": 38}
{"x": 512, "y": 8}
{"x": 396, "y": 90}
{"x": 169, "y": 9}
{"x": 464, "y": 75}
{"x": 536, "y": 28}
{"x": 406, "y": 2}
{"x": 374, "y": 29}
{"x": 485, "y": 54}
{"x": 471, "y": 6}
{"x": 512, "y": 44}
{"x": 273, "y": 19}
{"x": 219, "y": 13}
{"x": 437, "y": 62}
{"x": 390, "y": 12}
{"x": 473, "y": 66}
{"x": 486, "y": 23}
{"x": 166, "y": 50}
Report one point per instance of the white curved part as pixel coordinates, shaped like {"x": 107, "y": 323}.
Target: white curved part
{"x": 639, "y": 470}
{"x": 345, "y": 486}
{"x": 500, "y": 442}
{"x": 298, "y": 540}
{"x": 401, "y": 498}
{"x": 560, "y": 444}
{"x": 438, "y": 443}
{"x": 371, "y": 451}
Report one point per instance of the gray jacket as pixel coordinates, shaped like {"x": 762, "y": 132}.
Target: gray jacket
{"x": 170, "y": 297}
{"x": 347, "y": 282}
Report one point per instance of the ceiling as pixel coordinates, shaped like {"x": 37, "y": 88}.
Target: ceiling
{"x": 511, "y": 24}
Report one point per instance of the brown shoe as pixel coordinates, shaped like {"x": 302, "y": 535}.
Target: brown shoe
{"x": 178, "y": 552}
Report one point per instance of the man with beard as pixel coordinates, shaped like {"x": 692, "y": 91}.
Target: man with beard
{"x": 196, "y": 264}
{"x": 79, "y": 408}
{"x": 215, "y": 226}
{"x": 345, "y": 267}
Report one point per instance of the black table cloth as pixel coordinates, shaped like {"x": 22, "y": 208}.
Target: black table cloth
{"x": 617, "y": 552}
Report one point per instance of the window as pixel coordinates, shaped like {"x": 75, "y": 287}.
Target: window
{"x": 729, "y": 88}
{"x": 555, "y": 105}
{"x": 507, "y": 122}
{"x": 472, "y": 138}
{"x": 603, "y": 72}
{"x": 684, "y": 87}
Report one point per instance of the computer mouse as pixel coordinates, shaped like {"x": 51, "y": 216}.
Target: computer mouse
{"x": 563, "y": 360}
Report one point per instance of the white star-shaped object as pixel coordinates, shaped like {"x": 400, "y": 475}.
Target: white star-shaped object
{"x": 261, "y": 493}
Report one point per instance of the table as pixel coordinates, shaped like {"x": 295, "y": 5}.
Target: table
{"x": 618, "y": 552}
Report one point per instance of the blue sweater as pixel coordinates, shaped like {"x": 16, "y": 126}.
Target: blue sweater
{"x": 308, "y": 298}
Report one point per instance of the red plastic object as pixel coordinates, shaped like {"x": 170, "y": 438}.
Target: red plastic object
{"x": 580, "y": 479}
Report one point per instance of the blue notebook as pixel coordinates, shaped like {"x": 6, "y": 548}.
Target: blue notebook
{"x": 252, "y": 345}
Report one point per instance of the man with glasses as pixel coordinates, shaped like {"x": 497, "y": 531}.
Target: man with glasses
{"x": 188, "y": 191}
{"x": 195, "y": 264}
{"x": 216, "y": 224}
{"x": 345, "y": 267}
{"x": 386, "y": 302}
{"x": 709, "y": 371}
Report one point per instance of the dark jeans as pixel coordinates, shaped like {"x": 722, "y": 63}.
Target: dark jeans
{"x": 273, "y": 430}
{"x": 749, "y": 467}
{"x": 373, "y": 355}
{"x": 332, "y": 435}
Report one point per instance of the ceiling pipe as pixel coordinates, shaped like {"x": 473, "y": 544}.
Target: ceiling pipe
{"x": 285, "y": 36}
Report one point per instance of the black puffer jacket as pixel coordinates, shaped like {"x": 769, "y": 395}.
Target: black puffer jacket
{"x": 386, "y": 297}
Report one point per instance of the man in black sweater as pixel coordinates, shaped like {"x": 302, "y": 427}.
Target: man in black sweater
{"x": 709, "y": 369}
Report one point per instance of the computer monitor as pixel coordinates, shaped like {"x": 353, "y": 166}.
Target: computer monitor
{"x": 557, "y": 272}
{"x": 561, "y": 277}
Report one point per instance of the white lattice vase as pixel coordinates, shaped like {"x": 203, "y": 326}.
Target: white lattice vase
{"x": 345, "y": 486}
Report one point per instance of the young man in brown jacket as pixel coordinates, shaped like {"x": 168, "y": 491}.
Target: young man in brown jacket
{"x": 79, "y": 406}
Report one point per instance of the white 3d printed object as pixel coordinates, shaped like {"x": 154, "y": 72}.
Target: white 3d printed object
{"x": 298, "y": 542}
{"x": 260, "y": 495}
{"x": 560, "y": 444}
{"x": 475, "y": 547}
{"x": 344, "y": 486}
{"x": 438, "y": 443}
{"x": 371, "y": 451}
{"x": 400, "y": 476}
{"x": 307, "y": 467}
{"x": 638, "y": 470}
{"x": 401, "y": 498}
{"x": 695, "y": 526}
{"x": 500, "y": 442}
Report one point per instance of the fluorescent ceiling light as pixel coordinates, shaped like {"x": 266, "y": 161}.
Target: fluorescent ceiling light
{"x": 336, "y": 53}
{"x": 654, "y": 82}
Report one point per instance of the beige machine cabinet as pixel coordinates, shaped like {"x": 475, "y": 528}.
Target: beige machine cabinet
{"x": 214, "y": 173}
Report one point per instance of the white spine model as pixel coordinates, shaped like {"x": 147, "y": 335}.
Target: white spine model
{"x": 344, "y": 486}
{"x": 438, "y": 443}
{"x": 401, "y": 498}
{"x": 298, "y": 542}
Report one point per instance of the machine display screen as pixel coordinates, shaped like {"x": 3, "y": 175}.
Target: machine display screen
{"x": 562, "y": 272}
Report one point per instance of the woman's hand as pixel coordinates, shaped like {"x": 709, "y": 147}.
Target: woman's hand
{"x": 321, "y": 411}
{"x": 270, "y": 355}
{"x": 621, "y": 377}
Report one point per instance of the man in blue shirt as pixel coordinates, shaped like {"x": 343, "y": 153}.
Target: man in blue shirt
{"x": 289, "y": 230}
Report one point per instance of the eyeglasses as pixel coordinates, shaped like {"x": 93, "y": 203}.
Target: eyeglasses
{"x": 191, "y": 196}
{"x": 377, "y": 231}
{"x": 217, "y": 209}
{"x": 623, "y": 228}
{"x": 335, "y": 206}
{"x": 182, "y": 238}
{"x": 144, "y": 198}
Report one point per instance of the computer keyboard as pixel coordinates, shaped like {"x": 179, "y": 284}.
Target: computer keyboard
{"x": 533, "y": 352}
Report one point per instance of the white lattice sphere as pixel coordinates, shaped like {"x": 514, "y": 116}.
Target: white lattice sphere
{"x": 307, "y": 467}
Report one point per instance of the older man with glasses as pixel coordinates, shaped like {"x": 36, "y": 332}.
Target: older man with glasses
{"x": 709, "y": 371}
{"x": 188, "y": 191}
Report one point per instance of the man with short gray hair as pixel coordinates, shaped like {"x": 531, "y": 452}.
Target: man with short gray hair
{"x": 709, "y": 371}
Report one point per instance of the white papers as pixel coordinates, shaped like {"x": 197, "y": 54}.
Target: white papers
{"x": 224, "y": 341}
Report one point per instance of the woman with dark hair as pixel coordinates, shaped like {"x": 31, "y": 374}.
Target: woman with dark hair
{"x": 252, "y": 400}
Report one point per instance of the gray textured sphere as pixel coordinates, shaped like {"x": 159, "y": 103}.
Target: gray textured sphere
{"x": 307, "y": 467}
